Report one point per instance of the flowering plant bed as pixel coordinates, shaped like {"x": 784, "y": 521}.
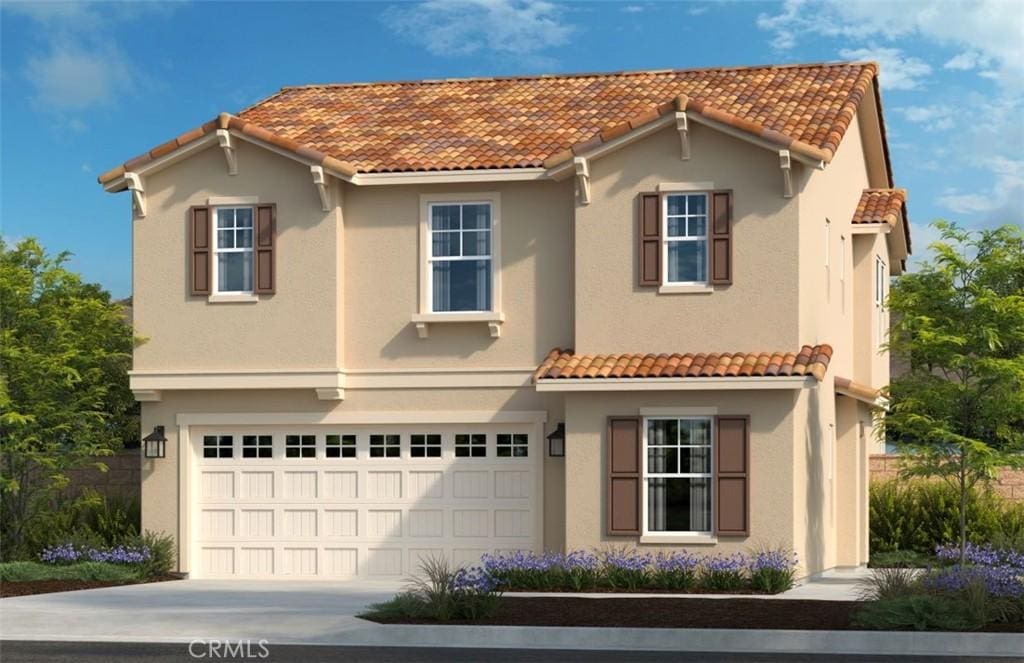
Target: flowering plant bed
{"x": 625, "y": 570}
{"x": 731, "y": 613}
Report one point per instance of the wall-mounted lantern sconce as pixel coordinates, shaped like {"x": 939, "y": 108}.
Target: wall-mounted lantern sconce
{"x": 556, "y": 442}
{"x": 154, "y": 443}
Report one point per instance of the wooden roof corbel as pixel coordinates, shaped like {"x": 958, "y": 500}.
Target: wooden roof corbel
{"x": 786, "y": 164}
{"x": 582, "y": 169}
{"x": 138, "y": 193}
{"x": 683, "y": 127}
{"x": 320, "y": 182}
{"x": 227, "y": 144}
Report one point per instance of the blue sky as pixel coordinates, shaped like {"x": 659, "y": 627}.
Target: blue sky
{"x": 87, "y": 85}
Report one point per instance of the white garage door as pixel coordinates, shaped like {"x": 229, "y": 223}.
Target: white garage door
{"x": 345, "y": 501}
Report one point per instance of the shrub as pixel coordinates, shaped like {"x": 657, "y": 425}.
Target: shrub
{"x": 919, "y": 612}
{"x": 626, "y": 569}
{"x": 724, "y": 573}
{"x": 525, "y": 570}
{"x": 443, "y": 594}
{"x": 581, "y": 571}
{"x": 887, "y": 583}
{"x": 676, "y": 570}
{"x": 902, "y": 559}
{"x": 919, "y": 515}
{"x": 93, "y": 571}
{"x": 773, "y": 571}
{"x": 161, "y": 554}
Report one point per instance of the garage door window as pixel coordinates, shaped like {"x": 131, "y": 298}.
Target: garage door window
{"x": 341, "y": 446}
{"x": 385, "y": 446}
{"x": 515, "y": 445}
{"x": 300, "y": 446}
{"x": 218, "y": 446}
{"x": 473, "y": 445}
{"x": 257, "y": 446}
{"x": 425, "y": 446}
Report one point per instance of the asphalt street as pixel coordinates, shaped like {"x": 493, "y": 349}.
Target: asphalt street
{"x": 102, "y": 652}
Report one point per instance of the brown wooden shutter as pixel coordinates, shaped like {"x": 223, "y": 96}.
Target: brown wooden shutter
{"x": 265, "y": 267}
{"x": 200, "y": 237}
{"x": 721, "y": 237}
{"x": 623, "y": 475}
{"x": 650, "y": 239}
{"x": 732, "y": 475}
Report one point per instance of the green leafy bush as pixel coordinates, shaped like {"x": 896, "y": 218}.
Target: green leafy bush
{"x": 920, "y": 515}
{"x": 161, "y": 550}
{"x": 899, "y": 559}
{"x": 93, "y": 571}
{"x": 919, "y": 612}
{"x": 88, "y": 520}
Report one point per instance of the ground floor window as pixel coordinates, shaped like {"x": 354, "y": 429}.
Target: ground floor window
{"x": 678, "y": 474}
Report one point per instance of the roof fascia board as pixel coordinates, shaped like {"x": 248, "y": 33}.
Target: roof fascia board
{"x": 676, "y": 384}
{"x": 870, "y": 228}
{"x": 290, "y": 155}
{"x": 452, "y": 176}
{"x": 566, "y": 169}
{"x": 179, "y": 154}
{"x": 817, "y": 164}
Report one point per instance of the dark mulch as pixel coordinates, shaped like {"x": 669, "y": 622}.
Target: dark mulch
{"x": 674, "y": 613}
{"x": 50, "y": 586}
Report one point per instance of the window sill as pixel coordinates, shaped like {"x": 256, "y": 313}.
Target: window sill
{"x": 681, "y": 539}
{"x": 685, "y": 289}
{"x": 246, "y": 298}
{"x": 493, "y": 319}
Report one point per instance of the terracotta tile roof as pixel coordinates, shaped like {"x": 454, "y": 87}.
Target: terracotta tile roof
{"x": 565, "y": 364}
{"x": 543, "y": 120}
{"x": 880, "y": 206}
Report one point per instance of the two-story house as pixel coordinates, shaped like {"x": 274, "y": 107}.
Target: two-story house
{"x": 555, "y": 312}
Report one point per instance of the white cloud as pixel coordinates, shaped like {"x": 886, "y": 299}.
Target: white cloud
{"x": 933, "y": 118}
{"x": 897, "y": 70}
{"x": 991, "y": 29}
{"x": 632, "y": 9}
{"x": 697, "y": 11}
{"x": 966, "y": 61}
{"x": 469, "y": 27}
{"x": 78, "y": 64}
{"x": 74, "y": 77}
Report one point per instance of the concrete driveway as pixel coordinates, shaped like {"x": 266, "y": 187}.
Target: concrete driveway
{"x": 179, "y": 611}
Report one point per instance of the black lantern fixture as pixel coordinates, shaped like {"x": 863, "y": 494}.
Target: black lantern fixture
{"x": 556, "y": 442}
{"x": 153, "y": 444}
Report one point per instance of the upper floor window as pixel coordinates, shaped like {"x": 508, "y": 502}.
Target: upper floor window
{"x": 686, "y": 238}
{"x": 881, "y": 278}
{"x": 233, "y": 267}
{"x": 460, "y": 269}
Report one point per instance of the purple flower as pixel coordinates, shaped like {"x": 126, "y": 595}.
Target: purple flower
{"x": 1004, "y": 581}
{"x": 67, "y": 554}
{"x": 734, "y": 563}
{"x": 474, "y": 580}
{"x": 624, "y": 560}
{"x": 676, "y": 561}
{"x": 62, "y": 554}
{"x": 773, "y": 560}
{"x": 985, "y": 555}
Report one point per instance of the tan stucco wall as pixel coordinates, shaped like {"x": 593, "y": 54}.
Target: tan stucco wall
{"x": 871, "y": 361}
{"x": 294, "y": 328}
{"x": 382, "y": 279}
{"x": 756, "y": 312}
{"x": 779, "y": 496}
{"x": 160, "y": 478}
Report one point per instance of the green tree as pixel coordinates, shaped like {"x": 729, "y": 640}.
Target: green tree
{"x": 958, "y": 411}
{"x": 65, "y": 348}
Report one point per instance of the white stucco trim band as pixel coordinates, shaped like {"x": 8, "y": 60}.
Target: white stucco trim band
{"x": 870, "y": 229}
{"x": 330, "y": 384}
{"x": 369, "y": 417}
{"x": 676, "y": 384}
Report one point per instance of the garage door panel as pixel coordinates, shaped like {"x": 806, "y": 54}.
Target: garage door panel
{"x": 346, "y": 517}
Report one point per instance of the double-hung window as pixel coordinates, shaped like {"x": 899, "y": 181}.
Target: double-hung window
{"x": 460, "y": 270}
{"x": 686, "y": 238}
{"x": 678, "y": 474}
{"x": 233, "y": 269}
{"x": 881, "y": 277}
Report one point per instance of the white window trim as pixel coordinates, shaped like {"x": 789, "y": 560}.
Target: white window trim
{"x": 494, "y": 318}
{"x": 647, "y": 536}
{"x": 673, "y": 287}
{"x": 231, "y": 296}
